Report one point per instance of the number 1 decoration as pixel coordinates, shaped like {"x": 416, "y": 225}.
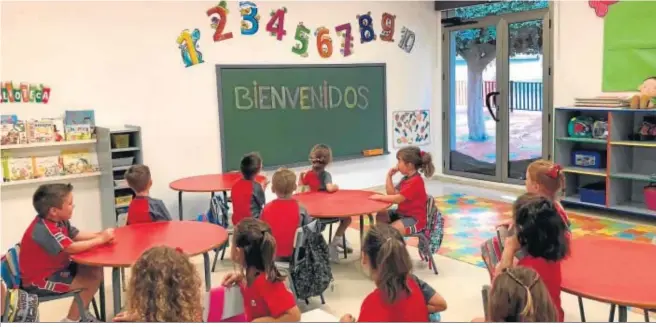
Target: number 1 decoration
{"x": 366, "y": 28}
{"x": 347, "y": 39}
{"x": 387, "y": 23}
{"x": 276, "y": 26}
{"x": 302, "y": 37}
{"x": 250, "y": 20}
{"x": 219, "y": 16}
{"x": 407, "y": 39}
{"x": 188, "y": 45}
{"x": 324, "y": 42}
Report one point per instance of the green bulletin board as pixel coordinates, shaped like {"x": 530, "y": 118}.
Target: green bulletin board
{"x": 629, "y": 45}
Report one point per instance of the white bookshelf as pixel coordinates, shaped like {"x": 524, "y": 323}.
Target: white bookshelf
{"x": 46, "y": 144}
{"x": 51, "y": 179}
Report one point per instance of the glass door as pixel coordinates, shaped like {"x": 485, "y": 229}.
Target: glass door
{"x": 495, "y": 91}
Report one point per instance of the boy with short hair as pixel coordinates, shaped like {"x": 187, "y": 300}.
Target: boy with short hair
{"x": 143, "y": 208}
{"x": 284, "y": 214}
{"x": 44, "y": 260}
{"x": 247, "y": 194}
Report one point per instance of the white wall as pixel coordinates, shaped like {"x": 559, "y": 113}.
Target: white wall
{"x": 121, "y": 59}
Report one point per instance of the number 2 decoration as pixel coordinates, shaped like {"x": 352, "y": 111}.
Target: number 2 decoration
{"x": 302, "y": 35}
{"x": 250, "y": 20}
{"x": 387, "y": 24}
{"x": 188, "y": 45}
{"x": 366, "y": 28}
{"x": 276, "y": 26}
{"x": 324, "y": 42}
{"x": 347, "y": 42}
{"x": 218, "y": 16}
{"x": 407, "y": 39}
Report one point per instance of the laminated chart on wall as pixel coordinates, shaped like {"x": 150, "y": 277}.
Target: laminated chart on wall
{"x": 410, "y": 128}
{"x": 629, "y": 45}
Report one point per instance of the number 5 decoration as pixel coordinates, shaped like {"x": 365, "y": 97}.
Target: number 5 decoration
{"x": 347, "y": 43}
{"x": 188, "y": 45}
{"x": 250, "y": 20}
{"x": 324, "y": 42}
{"x": 301, "y": 37}
{"x": 407, "y": 39}
{"x": 366, "y": 28}
{"x": 219, "y": 15}
{"x": 387, "y": 23}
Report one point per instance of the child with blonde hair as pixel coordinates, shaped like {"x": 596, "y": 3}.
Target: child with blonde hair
{"x": 399, "y": 296}
{"x": 164, "y": 287}
{"x": 320, "y": 180}
{"x": 409, "y": 195}
{"x": 266, "y": 297}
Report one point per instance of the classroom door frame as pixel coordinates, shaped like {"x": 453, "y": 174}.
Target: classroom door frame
{"x": 502, "y": 60}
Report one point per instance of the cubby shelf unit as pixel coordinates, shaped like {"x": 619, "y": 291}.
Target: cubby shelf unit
{"x": 107, "y": 152}
{"x": 630, "y": 164}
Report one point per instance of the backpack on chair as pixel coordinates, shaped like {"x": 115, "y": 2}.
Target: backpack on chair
{"x": 312, "y": 275}
{"x": 19, "y": 306}
{"x": 434, "y": 230}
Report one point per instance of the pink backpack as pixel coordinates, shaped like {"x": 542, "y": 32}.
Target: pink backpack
{"x": 225, "y": 304}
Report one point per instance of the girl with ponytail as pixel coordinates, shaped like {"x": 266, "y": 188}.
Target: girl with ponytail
{"x": 266, "y": 299}
{"x": 399, "y": 295}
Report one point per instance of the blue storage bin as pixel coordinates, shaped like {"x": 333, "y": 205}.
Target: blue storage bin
{"x": 594, "y": 193}
{"x": 589, "y": 159}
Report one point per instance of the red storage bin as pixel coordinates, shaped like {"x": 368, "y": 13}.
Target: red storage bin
{"x": 650, "y": 196}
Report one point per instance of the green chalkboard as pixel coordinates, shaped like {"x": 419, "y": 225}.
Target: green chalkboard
{"x": 281, "y": 111}
{"x": 629, "y": 45}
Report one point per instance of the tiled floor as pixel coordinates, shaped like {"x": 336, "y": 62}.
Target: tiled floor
{"x": 459, "y": 282}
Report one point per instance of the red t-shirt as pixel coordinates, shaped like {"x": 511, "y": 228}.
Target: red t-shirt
{"x": 317, "y": 180}
{"x": 42, "y": 252}
{"x": 550, "y": 273}
{"x": 247, "y": 200}
{"x": 413, "y": 190}
{"x": 407, "y": 307}
{"x": 283, "y": 216}
{"x": 266, "y": 299}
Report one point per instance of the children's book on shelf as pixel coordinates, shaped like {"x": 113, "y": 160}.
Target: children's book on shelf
{"x": 17, "y": 168}
{"x": 78, "y": 132}
{"x": 79, "y": 124}
{"x": 58, "y": 128}
{"x": 79, "y": 162}
{"x": 12, "y": 130}
{"x": 49, "y": 166}
{"x": 40, "y": 131}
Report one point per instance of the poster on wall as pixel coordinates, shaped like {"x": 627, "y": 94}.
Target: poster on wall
{"x": 410, "y": 128}
{"x": 629, "y": 45}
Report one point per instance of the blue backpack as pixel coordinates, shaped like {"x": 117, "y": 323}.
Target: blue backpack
{"x": 434, "y": 230}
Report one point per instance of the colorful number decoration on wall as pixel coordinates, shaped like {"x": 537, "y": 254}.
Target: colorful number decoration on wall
{"x": 250, "y": 20}
{"x": 387, "y": 24}
{"x": 601, "y": 6}
{"x": 188, "y": 45}
{"x": 302, "y": 38}
{"x": 407, "y": 39}
{"x": 276, "y": 26}
{"x": 218, "y": 16}
{"x": 344, "y": 31}
{"x": 324, "y": 42}
{"x": 366, "y": 28}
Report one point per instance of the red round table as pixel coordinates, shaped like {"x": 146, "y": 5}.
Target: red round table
{"x": 193, "y": 238}
{"x": 343, "y": 203}
{"x": 208, "y": 183}
{"x": 618, "y": 272}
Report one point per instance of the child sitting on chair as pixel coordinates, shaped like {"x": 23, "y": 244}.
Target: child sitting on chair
{"x": 143, "y": 208}
{"x": 284, "y": 214}
{"x": 410, "y": 194}
{"x": 247, "y": 195}
{"x": 44, "y": 260}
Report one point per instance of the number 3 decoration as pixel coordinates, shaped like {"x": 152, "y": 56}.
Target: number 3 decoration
{"x": 407, "y": 39}
{"x": 366, "y": 28}
{"x": 250, "y": 20}
{"x": 302, "y": 36}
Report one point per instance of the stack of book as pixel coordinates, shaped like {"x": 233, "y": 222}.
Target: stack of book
{"x": 602, "y": 102}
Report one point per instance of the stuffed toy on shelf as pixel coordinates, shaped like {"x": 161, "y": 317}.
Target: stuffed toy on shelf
{"x": 647, "y": 97}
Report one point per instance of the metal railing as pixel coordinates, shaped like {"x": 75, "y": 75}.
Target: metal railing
{"x": 523, "y": 95}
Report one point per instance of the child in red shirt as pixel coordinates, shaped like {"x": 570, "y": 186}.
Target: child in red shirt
{"x": 399, "y": 296}
{"x": 143, "y": 208}
{"x": 44, "y": 259}
{"x": 518, "y": 294}
{"x": 266, "y": 298}
{"x": 540, "y": 242}
{"x": 410, "y": 194}
{"x": 319, "y": 180}
{"x": 284, "y": 214}
{"x": 248, "y": 195}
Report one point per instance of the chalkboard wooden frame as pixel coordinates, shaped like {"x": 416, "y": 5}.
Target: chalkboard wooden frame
{"x": 219, "y": 89}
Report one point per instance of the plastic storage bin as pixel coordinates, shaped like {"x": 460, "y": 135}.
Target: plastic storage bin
{"x": 650, "y": 196}
{"x": 589, "y": 159}
{"x": 127, "y": 161}
{"x": 120, "y": 141}
{"x": 594, "y": 193}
